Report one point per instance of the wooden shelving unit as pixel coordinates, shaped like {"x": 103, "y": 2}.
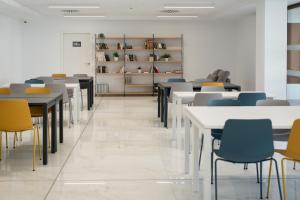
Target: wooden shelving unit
{"x": 122, "y": 77}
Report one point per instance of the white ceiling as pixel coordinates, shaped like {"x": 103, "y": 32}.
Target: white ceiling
{"x": 127, "y": 9}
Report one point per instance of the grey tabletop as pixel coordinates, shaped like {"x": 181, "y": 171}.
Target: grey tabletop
{"x": 23, "y": 95}
{"x": 195, "y": 84}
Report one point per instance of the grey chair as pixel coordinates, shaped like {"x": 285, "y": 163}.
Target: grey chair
{"x": 18, "y": 88}
{"x": 61, "y": 88}
{"x": 81, "y": 88}
{"x": 47, "y": 80}
{"x": 181, "y": 87}
{"x": 212, "y": 89}
{"x": 202, "y": 99}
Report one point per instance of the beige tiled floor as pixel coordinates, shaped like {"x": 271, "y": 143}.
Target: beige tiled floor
{"x": 119, "y": 151}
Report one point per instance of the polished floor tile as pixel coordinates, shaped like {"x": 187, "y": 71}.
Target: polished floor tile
{"x": 120, "y": 151}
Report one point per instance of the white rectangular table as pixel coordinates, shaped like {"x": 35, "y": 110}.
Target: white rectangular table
{"x": 179, "y": 97}
{"x": 203, "y": 119}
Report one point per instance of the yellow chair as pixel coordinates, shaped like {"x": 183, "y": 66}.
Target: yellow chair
{"x": 15, "y": 117}
{"x": 37, "y": 111}
{"x": 59, "y": 75}
{"x": 5, "y": 90}
{"x": 292, "y": 153}
{"x": 215, "y": 84}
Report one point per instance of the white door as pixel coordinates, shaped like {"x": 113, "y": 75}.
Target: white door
{"x": 77, "y": 54}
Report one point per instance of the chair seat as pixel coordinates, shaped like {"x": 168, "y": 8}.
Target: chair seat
{"x": 217, "y": 133}
{"x": 37, "y": 111}
{"x": 238, "y": 159}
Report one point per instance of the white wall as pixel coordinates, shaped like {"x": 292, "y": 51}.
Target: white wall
{"x": 245, "y": 53}
{"x": 207, "y": 46}
{"x": 11, "y": 38}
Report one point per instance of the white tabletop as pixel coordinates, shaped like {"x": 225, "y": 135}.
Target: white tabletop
{"x": 282, "y": 117}
{"x": 226, "y": 94}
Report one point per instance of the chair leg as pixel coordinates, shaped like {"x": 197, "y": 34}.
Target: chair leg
{"x": 294, "y": 168}
{"x": 39, "y": 144}
{"x": 283, "y": 179}
{"x": 269, "y": 180}
{"x": 260, "y": 165}
{"x": 201, "y": 149}
{"x": 257, "y": 173}
{"x": 6, "y": 140}
{"x": 216, "y": 179}
{"x": 33, "y": 153}
{"x": 16, "y": 135}
{"x": 1, "y": 145}
{"x": 15, "y": 140}
{"x": 21, "y": 139}
{"x": 81, "y": 100}
{"x": 212, "y": 161}
{"x": 278, "y": 178}
{"x": 49, "y": 135}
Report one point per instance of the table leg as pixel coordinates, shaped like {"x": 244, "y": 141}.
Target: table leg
{"x": 196, "y": 151}
{"x": 165, "y": 108}
{"x": 45, "y": 134}
{"x": 162, "y": 105}
{"x": 61, "y": 121}
{"x": 187, "y": 140}
{"x": 53, "y": 129}
{"x": 158, "y": 102}
{"x": 92, "y": 92}
{"x": 89, "y": 96}
{"x": 174, "y": 112}
{"x": 179, "y": 115}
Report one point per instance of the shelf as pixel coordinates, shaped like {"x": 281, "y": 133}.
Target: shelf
{"x": 139, "y": 49}
{"x": 167, "y": 74}
{"x": 171, "y": 49}
{"x": 139, "y": 38}
{"x": 168, "y": 38}
{"x": 109, "y": 50}
{"x": 110, "y": 74}
{"x": 111, "y": 38}
{"x": 121, "y": 61}
{"x": 169, "y": 62}
{"x": 139, "y": 74}
{"x": 139, "y": 85}
{"x": 138, "y": 61}
{"x": 138, "y": 93}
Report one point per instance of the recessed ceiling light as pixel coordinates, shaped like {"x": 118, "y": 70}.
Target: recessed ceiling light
{"x": 177, "y": 16}
{"x": 189, "y": 5}
{"x": 73, "y": 6}
{"x": 84, "y": 16}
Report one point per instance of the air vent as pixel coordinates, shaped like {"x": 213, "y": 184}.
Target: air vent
{"x": 70, "y": 11}
{"x": 169, "y": 11}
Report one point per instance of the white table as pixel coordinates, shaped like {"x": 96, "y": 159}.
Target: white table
{"x": 206, "y": 118}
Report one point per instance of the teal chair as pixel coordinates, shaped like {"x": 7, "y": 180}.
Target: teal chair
{"x": 250, "y": 99}
{"x": 247, "y": 141}
{"x": 176, "y": 80}
{"x": 34, "y": 81}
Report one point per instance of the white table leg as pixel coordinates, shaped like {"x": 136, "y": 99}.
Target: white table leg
{"x": 205, "y": 170}
{"x": 187, "y": 140}
{"x": 174, "y": 105}
{"x": 179, "y": 115}
{"x": 195, "y": 154}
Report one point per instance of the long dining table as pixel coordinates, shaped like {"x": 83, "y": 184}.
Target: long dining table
{"x": 164, "y": 89}
{"x": 201, "y": 120}
{"x": 46, "y": 101}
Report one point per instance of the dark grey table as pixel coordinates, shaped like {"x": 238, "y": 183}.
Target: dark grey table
{"x": 46, "y": 101}
{"x": 84, "y": 82}
{"x": 164, "y": 89}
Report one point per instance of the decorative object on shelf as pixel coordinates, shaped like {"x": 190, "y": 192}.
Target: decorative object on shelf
{"x": 156, "y": 69}
{"x": 122, "y": 70}
{"x": 100, "y": 57}
{"x": 151, "y": 57}
{"x": 166, "y": 57}
{"x": 116, "y": 56}
{"x": 101, "y": 46}
{"x": 130, "y": 57}
{"x": 148, "y": 44}
{"x": 107, "y": 58}
{"x": 127, "y": 46}
{"x": 160, "y": 45}
{"x": 128, "y": 80}
{"x": 139, "y": 69}
{"x": 118, "y": 46}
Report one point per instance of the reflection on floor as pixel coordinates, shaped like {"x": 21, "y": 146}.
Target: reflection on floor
{"x": 119, "y": 151}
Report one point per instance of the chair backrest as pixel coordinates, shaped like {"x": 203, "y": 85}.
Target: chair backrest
{"x": 59, "y": 88}
{"x": 34, "y": 81}
{"x": 175, "y": 80}
{"x": 223, "y": 102}
{"x": 247, "y": 140}
{"x": 5, "y": 90}
{"x": 202, "y": 99}
{"x": 37, "y": 90}
{"x": 180, "y": 87}
{"x": 250, "y": 99}
{"x": 218, "y": 84}
{"x": 293, "y": 149}
{"x": 212, "y": 89}
{"x": 59, "y": 75}
{"x": 15, "y": 115}
{"x": 18, "y": 87}
{"x": 80, "y": 75}
{"x": 270, "y": 102}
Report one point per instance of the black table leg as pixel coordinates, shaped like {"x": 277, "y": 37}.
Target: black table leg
{"x": 165, "y": 97}
{"x": 45, "y": 134}
{"x": 89, "y": 96}
{"x": 92, "y": 93}
{"x": 161, "y": 105}
{"x": 61, "y": 121}
{"x": 158, "y": 102}
{"x": 53, "y": 129}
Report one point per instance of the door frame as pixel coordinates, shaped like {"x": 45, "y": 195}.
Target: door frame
{"x": 92, "y": 50}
